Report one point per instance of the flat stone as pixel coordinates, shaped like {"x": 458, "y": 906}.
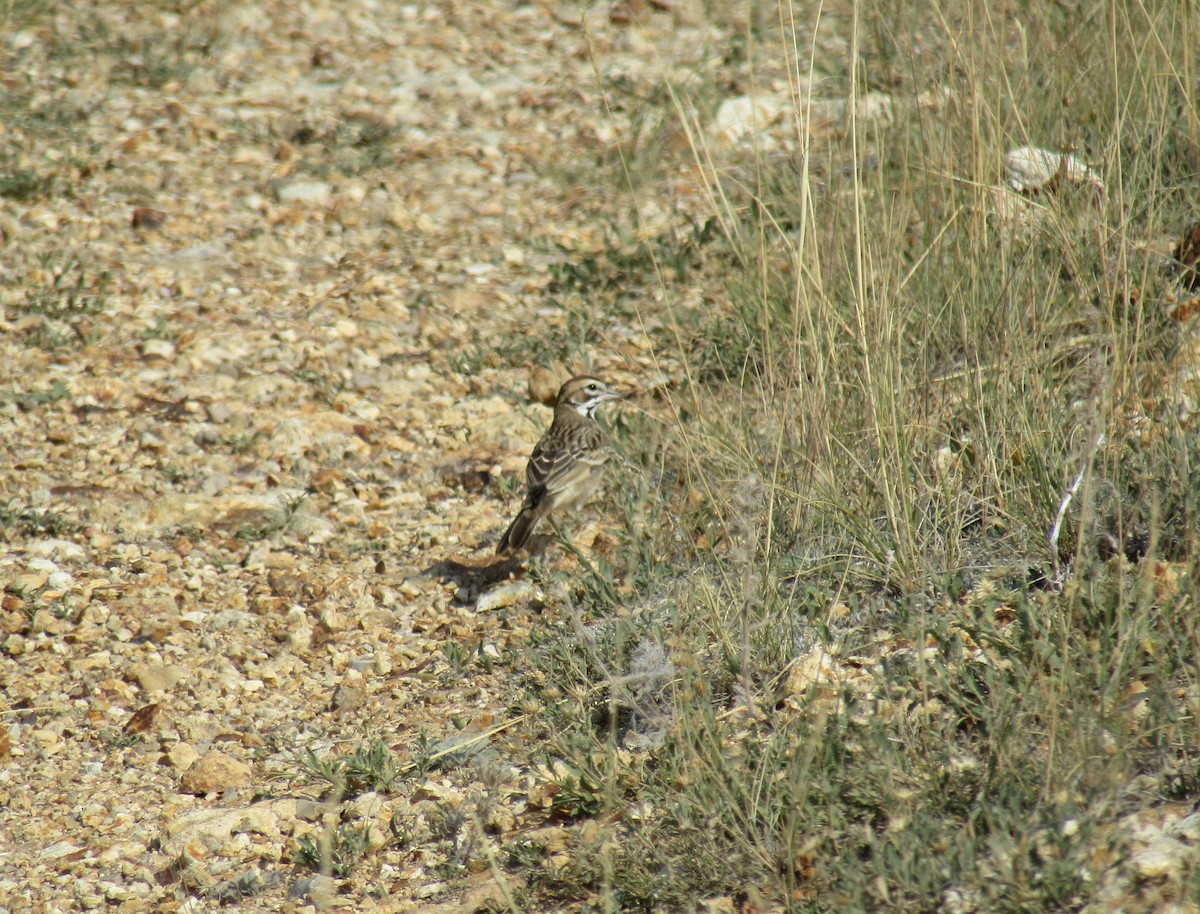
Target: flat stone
{"x": 182, "y": 756}
{"x": 214, "y": 772}
{"x": 209, "y": 829}
{"x": 319, "y": 890}
{"x": 506, "y": 595}
{"x": 59, "y": 850}
{"x": 158, "y": 677}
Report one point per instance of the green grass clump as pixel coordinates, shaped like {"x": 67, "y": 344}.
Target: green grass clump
{"x": 371, "y": 767}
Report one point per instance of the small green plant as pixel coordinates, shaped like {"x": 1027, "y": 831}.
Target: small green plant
{"x": 360, "y": 147}
{"x": 461, "y": 659}
{"x": 62, "y": 608}
{"x": 24, "y": 184}
{"x": 118, "y": 739}
{"x": 26, "y": 520}
{"x": 402, "y": 833}
{"x": 455, "y": 656}
{"x": 371, "y": 767}
{"x": 175, "y": 476}
{"x": 578, "y": 796}
{"x": 29, "y": 601}
{"x": 598, "y": 585}
{"x": 71, "y": 291}
{"x": 446, "y": 821}
{"x": 456, "y": 826}
{"x": 623, "y": 265}
{"x": 160, "y": 331}
{"x": 242, "y": 443}
{"x": 154, "y": 60}
{"x": 524, "y": 853}
{"x": 326, "y": 387}
{"x": 337, "y": 852}
{"x": 28, "y": 400}
{"x": 424, "y": 755}
{"x": 240, "y": 887}
{"x": 69, "y": 301}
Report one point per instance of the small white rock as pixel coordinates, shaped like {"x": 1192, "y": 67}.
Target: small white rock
{"x": 505, "y": 595}
{"x": 745, "y": 116}
{"x": 1162, "y": 858}
{"x": 428, "y": 891}
{"x": 314, "y": 193}
{"x": 158, "y": 348}
{"x": 1030, "y": 169}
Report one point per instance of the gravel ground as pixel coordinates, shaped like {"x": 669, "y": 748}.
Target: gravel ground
{"x": 253, "y": 291}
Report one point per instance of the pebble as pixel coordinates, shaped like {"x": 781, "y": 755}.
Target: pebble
{"x": 158, "y": 677}
{"x": 313, "y": 193}
{"x": 350, "y": 694}
{"x": 1030, "y": 169}
{"x": 318, "y": 889}
{"x": 745, "y": 116}
{"x": 433, "y": 888}
{"x": 506, "y": 595}
{"x": 49, "y": 623}
{"x": 158, "y": 348}
{"x": 218, "y": 412}
{"x": 182, "y": 756}
{"x": 30, "y": 581}
{"x": 365, "y": 806}
{"x": 209, "y": 829}
{"x": 1160, "y": 858}
{"x": 214, "y": 772}
{"x": 60, "y": 581}
{"x": 59, "y": 850}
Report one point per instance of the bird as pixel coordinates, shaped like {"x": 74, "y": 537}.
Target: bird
{"x": 567, "y": 465}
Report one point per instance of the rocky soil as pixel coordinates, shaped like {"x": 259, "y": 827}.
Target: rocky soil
{"x": 271, "y": 296}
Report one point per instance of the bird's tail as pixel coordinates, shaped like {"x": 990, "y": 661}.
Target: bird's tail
{"x": 518, "y": 531}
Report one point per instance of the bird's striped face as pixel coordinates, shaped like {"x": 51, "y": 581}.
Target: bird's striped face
{"x": 584, "y": 394}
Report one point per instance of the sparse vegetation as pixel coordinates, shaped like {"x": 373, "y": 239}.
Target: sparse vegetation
{"x": 347, "y": 846}
{"x": 24, "y": 520}
{"x": 370, "y": 767}
{"x": 69, "y": 301}
{"x": 886, "y": 404}
{"x": 24, "y": 184}
{"x": 31, "y": 399}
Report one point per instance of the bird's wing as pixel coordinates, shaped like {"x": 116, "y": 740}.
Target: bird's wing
{"x": 557, "y": 462}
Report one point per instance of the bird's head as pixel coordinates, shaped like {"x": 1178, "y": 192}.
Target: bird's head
{"x": 583, "y": 394}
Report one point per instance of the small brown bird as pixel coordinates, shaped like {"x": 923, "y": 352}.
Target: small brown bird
{"x": 567, "y": 465}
